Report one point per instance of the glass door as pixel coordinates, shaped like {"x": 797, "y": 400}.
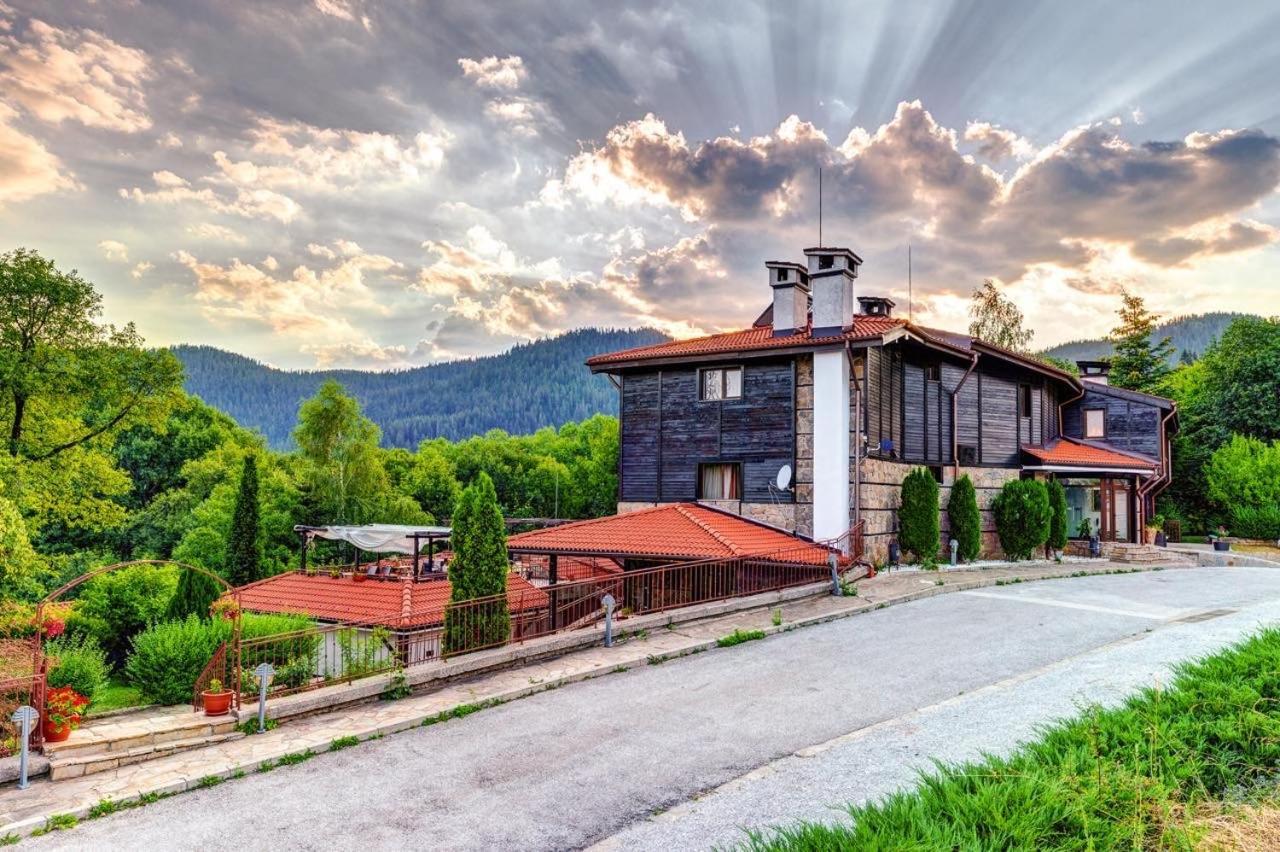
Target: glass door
{"x": 1120, "y": 505}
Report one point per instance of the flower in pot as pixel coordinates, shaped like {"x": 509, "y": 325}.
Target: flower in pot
{"x": 217, "y": 699}
{"x": 225, "y": 608}
{"x": 63, "y": 710}
{"x": 1220, "y": 540}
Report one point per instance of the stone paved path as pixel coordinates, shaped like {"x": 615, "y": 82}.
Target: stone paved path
{"x": 23, "y": 811}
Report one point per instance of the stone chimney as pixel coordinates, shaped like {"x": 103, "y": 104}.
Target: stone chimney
{"x": 790, "y": 283}
{"x": 831, "y": 274}
{"x": 876, "y": 306}
{"x": 1095, "y": 371}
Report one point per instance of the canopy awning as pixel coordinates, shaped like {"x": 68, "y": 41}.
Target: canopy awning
{"x": 378, "y": 538}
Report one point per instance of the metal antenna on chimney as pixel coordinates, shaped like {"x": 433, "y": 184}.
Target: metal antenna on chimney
{"x": 819, "y": 205}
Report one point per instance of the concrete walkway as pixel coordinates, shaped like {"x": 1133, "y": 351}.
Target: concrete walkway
{"x": 22, "y": 811}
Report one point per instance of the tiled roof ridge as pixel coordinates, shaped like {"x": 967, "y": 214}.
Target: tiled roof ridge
{"x": 406, "y": 600}
{"x": 590, "y": 521}
{"x": 683, "y": 509}
{"x": 1080, "y": 442}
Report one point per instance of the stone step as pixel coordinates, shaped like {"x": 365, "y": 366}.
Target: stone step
{"x": 77, "y": 764}
{"x": 107, "y": 738}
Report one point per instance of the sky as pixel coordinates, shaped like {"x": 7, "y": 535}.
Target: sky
{"x": 350, "y": 183}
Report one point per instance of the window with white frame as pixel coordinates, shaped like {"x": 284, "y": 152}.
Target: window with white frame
{"x": 1095, "y": 423}
{"x": 721, "y": 383}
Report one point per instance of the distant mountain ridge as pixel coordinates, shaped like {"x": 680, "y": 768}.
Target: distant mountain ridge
{"x": 1191, "y": 334}
{"x": 532, "y": 385}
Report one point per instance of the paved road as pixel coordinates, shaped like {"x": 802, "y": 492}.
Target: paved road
{"x": 870, "y": 697}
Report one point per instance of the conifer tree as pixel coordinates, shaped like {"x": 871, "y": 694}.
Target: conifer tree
{"x": 966, "y": 521}
{"x": 478, "y": 570}
{"x": 1058, "y": 520}
{"x": 1138, "y": 364}
{"x": 244, "y": 550}
{"x": 196, "y": 592}
{"x": 920, "y": 532}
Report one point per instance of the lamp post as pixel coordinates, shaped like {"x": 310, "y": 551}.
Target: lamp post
{"x": 264, "y": 671}
{"x": 26, "y": 716}
{"x": 608, "y": 603}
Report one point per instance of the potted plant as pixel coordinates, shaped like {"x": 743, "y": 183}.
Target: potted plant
{"x": 225, "y": 608}
{"x": 1085, "y": 531}
{"x": 1220, "y": 539}
{"x": 1153, "y": 526}
{"x": 63, "y": 710}
{"x": 217, "y": 700}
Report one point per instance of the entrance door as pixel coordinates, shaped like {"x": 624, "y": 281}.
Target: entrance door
{"x": 1115, "y": 509}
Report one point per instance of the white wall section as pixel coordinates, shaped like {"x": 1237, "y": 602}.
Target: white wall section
{"x": 830, "y": 444}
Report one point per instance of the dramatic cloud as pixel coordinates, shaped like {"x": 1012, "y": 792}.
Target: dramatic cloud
{"x": 997, "y": 144}
{"x": 61, "y": 75}
{"x": 493, "y": 73}
{"x": 27, "y": 168}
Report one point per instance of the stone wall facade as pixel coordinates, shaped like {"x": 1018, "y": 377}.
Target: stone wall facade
{"x": 882, "y": 497}
{"x": 802, "y": 517}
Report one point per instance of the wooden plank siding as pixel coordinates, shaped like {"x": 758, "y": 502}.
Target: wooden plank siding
{"x": 1131, "y": 425}
{"x": 667, "y": 431}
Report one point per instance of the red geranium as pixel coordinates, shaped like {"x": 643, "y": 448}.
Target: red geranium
{"x": 64, "y": 706}
{"x": 54, "y": 627}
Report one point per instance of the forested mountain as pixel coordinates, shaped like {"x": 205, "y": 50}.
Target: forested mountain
{"x": 532, "y": 385}
{"x": 1191, "y": 334}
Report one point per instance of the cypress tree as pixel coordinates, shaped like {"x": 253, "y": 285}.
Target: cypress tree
{"x": 195, "y": 593}
{"x": 920, "y": 529}
{"x": 966, "y": 521}
{"x": 1022, "y": 517}
{"x": 244, "y": 551}
{"x": 478, "y": 570}
{"x": 1058, "y": 520}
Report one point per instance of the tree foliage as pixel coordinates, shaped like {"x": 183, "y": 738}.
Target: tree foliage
{"x": 244, "y": 551}
{"x": 964, "y": 519}
{"x": 1138, "y": 363}
{"x": 195, "y": 593}
{"x": 479, "y": 570}
{"x": 919, "y": 531}
{"x": 114, "y": 607}
{"x": 996, "y": 319}
{"x": 1243, "y": 478}
{"x": 1022, "y": 515}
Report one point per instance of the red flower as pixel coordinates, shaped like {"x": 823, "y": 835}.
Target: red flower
{"x": 54, "y": 627}
{"x": 64, "y": 706}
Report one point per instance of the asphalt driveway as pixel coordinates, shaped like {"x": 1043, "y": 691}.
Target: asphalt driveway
{"x": 870, "y": 697}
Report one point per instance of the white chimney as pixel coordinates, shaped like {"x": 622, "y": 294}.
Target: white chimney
{"x": 790, "y": 283}
{"x": 1095, "y": 371}
{"x": 831, "y": 274}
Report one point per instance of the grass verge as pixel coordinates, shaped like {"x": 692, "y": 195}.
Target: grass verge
{"x": 738, "y": 636}
{"x": 1127, "y": 777}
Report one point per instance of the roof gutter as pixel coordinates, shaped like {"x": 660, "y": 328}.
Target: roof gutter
{"x": 955, "y": 410}
{"x": 1085, "y": 469}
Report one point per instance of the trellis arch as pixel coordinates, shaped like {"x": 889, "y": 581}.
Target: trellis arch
{"x": 38, "y": 660}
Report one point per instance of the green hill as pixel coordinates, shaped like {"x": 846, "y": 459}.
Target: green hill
{"x": 532, "y": 385}
{"x": 1189, "y": 334}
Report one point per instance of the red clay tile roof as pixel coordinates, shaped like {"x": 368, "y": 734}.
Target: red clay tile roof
{"x": 674, "y": 531}
{"x": 393, "y": 603}
{"x": 1078, "y": 454}
{"x": 748, "y": 340}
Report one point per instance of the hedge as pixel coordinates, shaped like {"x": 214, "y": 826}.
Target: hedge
{"x": 1058, "y": 516}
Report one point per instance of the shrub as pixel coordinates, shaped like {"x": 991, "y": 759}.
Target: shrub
{"x": 1244, "y": 474}
{"x": 1058, "y": 516}
{"x": 965, "y": 520}
{"x": 196, "y": 592}
{"x": 78, "y": 662}
{"x": 1022, "y": 517}
{"x": 169, "y": 656}
{"x": 919, "y": 531}
{"x": 115, "y": 607}
{"x": 1256, "y": 522}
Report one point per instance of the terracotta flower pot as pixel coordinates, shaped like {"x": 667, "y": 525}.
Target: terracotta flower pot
{"x": 54, "y": 734}
{"x": 216, "y": 703}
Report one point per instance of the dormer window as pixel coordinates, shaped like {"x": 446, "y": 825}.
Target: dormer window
{"x": 721, "y": 383}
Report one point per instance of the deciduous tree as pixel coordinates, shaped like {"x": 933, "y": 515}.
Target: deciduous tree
{"x": 996, "y": 319}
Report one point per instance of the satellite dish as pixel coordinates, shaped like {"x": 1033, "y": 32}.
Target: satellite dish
{"x": 784, "y": 477}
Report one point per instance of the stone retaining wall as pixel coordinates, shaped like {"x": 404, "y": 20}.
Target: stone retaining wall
{"x": 882, "y": 497}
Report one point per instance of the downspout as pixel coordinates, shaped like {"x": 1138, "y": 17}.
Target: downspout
{"x": 955, "y": 411}
{"x": 1156, "y": 484}
{"x": 857, "y": 431}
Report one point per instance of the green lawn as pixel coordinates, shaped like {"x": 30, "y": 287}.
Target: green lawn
{"x": 116, "y": 696}
{"x": 1129, "y": 777}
